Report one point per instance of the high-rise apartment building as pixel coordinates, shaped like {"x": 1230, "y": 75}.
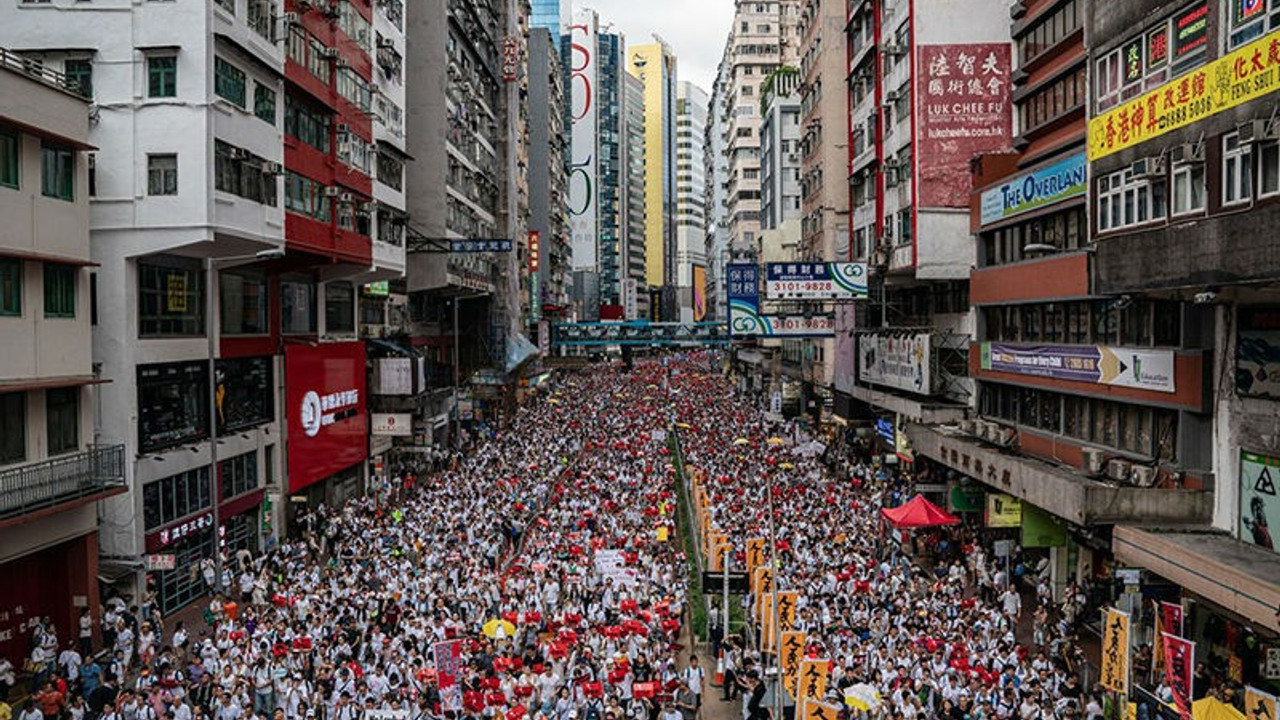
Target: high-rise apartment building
{"x": 636, "y": 295}
{"x": 233, "y": 204}
{"x": 551, "y": 15}
{"x": 717, "y": 172}
{"x": 780, "y": 149}
{"x": 53, "y": 469}
{"x": 763, "y": 38}
{"x": 548, "y": 251}
{"x": 655, "y": 65}
{"x": 691, "y": 189}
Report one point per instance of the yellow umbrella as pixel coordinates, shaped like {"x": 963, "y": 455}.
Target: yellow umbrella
{"x": 553, "y": 401}
{"x": 684, "y": 426}
{"x": 495, "y": 625}
{"x": 742, "y": 441}
{"x": 776, "y": 441}
{"x": 786, "y": 466}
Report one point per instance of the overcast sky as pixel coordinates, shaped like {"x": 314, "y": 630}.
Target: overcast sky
{"x": 696, "y": 29}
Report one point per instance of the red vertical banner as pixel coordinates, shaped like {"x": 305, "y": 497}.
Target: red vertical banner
{"x": 1171, "y": 618}
{"x": 1180, "y": 658}
{"x": 963, "y": 110}
{"x": 448, "y": 664}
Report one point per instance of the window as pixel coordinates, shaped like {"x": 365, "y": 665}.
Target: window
{"x": 1237, "y": 170}
{"x": 1147, "y": 59}
{"x": 244, "y": 302}
{"x": 80, "y": 72}
{"x": 57, "y": 172}
{"x": 11, "y": 270}
{"x": 1050, "y": 31}
{"x": 260, "y": 15}
{"x": 308, "y": 125}
{"x": 238, "y": 475}
{"x": 298, "y": 306}
{"x": 62, "y": 419}
{"x": 390, "y": 171}
{"x": 170, "y": 297}
{"x": 13, "y": 427}
{"x": 162, "y": 174}
{"x": 1250, "y": 19}
{"x": 173, "y": 404}
{"x": 1188, "y": 188}
{"x": 162, "y": 76}
{"x": 59, "y": 291}
{"x": 339, "y": 308}
{"x": 10, "y": 151}
{"x": 229, "y": 82}
{"x": 306, "y": 196}
{"x": 170, "y": 499}
{"x": 353, "y": 24}
{"x": 1268, "y": 169}
{"x": 243, "y": 396}
{"x": 264, "y": 103}
{"x": 1126, "y": 199}
{"x": 240, "y": 172}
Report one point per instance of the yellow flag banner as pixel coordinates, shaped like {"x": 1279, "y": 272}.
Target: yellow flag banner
{"x": 813, "y": 679}
{"x": 1259, "y": 705}
{"x": 755, "y": 557}
{"x": 718, "y": 554}
{"x": 1233, "y": 79}
{"x": 787, "y": 602}
{"x": 761, "y": 581}
{"x": 814, "y": 710}
{"x": 764, "y": 618}
{"x": 1115, "y": 652}
{"x": 792, "y": 653}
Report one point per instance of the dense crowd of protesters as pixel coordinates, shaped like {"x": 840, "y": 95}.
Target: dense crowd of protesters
{"x": 549, "y": 551}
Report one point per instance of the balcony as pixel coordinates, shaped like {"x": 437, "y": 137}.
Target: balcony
{"x": 1066, "y": 494}
{"x": 67, "y": 478}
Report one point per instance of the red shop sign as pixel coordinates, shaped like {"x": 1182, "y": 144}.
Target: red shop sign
{"x": 325, "y": 405}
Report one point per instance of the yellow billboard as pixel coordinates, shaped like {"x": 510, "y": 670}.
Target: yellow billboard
{"x": 1115, "y": 652}
{"x": 699, "y": 293}
{"x": 1233, "y": 79}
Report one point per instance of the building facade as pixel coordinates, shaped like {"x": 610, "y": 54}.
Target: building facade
{"x": 636, "y": 295}
{"x": 655, "y": 66}
{"x": 54, "y": 467}
{"x": 548, "y": 251}
{"x": 691, "y": 189}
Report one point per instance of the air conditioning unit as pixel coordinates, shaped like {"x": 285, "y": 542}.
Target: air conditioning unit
{"x": 968, "y": 426}
{"x": 1093, "y": 461}
{"x": 291, "y": 18}
{"x": 1118, "y": 470}
{"x": 1187, "y": 153}
{"x": 891, "y": 176}
{"x": 271, "y": 168}
{"x": 332, "y": 192}
{"x": 329, "y": 53}
{"x": 1147, "y": 167}
{"x": 346, "y": 198}
{"x": 1252, "y": 131}
{"x": 1144, "y": 476}
{"x": 895, "y": 49}
{"x": 894, "y": 95}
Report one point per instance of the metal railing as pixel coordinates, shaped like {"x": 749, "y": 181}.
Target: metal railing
{"x": 65, "y": 478}
{"x": 35, "y": 69}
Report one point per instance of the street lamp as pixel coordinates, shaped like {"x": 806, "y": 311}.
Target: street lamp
{"x": 211, "y": 294}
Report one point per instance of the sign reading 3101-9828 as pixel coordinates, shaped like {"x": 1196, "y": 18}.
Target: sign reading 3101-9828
{"x": 816, "y": 281}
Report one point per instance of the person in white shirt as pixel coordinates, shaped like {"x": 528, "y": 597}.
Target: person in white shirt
{"x": 70, "y": 661}
{"x": 693, "y": 675}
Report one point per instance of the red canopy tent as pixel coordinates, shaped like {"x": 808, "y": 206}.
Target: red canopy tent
{"x": 918, "y": 512}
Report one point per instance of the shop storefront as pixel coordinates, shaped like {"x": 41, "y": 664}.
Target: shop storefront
{"x": 328, "y": 427}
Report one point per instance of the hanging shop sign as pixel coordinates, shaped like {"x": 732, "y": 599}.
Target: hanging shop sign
{"x": 1138, "y": 368}
{"x": 1054, "y": 183}
{"x": 325, "y": 409}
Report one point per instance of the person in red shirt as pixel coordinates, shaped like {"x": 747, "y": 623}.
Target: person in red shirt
{"x": 49, "y": 700}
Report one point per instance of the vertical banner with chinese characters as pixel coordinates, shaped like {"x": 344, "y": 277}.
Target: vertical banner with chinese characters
{"x": 963, "y": 110}
{"x": 1168, "y": 619}
{"x": 448, "y": 663}
{"x": 813, "y": 679}
{"x": 1180, "y": 656}
{"x": 1115, "y": 652}
{"x": 1259, "y": 705}
{"x": 792, "y": 653}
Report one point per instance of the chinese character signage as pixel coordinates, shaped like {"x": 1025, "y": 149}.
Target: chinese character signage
{"x": 510, "y": 58}
{"x": 1003, "y": 511}
{"x": 963, "y": 111}
{"x": 1060, "y": 181}
{"x": 1138, "y": 368}
{"x": 816, "y": 281}
{"x": 1233, "y": 79}
{"x": 1190, "y": 31}
{"x": 1178, "y": 670}
{"x": 793, "y": 643}
{"x": 448, "y": 666}
{"x": 1115, "y": 652}
{"x": 1259, "y": 504}
{"x": 324, "y": 394}
{"x": 479, "y": 246}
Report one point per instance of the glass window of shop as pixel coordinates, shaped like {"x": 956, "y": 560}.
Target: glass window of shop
{"x": 238, "y": 475}
{"x": 173, "y": 404}
{"x": 179, "y": 587}
{"x": 1065, "y": 230}
{"x": 240, "y": 532}
{"x": 244, "y": 395}
{"x": 168, "y": 500}
{"x": 1143, "y": 431}
{"x": 244, "y": 302}
{"x": 1138, "y": 323}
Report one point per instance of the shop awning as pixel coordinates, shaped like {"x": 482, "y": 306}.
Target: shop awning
{"x": 917, "y": 513}
{"x": 1241, "y": 577}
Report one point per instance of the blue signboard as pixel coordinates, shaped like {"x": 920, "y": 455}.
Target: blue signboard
{"x": 884, "y": 428}
{"x": 743, "y": 283}
{"x": 1062, "y": 180}
{"x": 477, "y": 246}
